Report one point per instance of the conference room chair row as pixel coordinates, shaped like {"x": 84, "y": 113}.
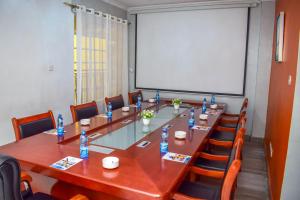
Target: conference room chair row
{"x": 32, "y": 125}
{"x": 214, "y": 173}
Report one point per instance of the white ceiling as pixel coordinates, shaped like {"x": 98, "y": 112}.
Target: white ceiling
{"x": 135, "y": 3}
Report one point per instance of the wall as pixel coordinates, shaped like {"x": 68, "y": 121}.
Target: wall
{"x": 234, "y": 103}
{"x": 34, "y": 35}
{"x": 263, "y": 69}
{"x": 291, "y": 180}
{"x": 281, "y": 96}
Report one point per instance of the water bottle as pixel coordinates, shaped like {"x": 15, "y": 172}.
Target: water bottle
{"x": 204, "y": 106}
{"x": 109, "y": 111}
{"x": 213, "y": 100}
{"x": 84, "y": 151}
{"x": 191, "y": 121}
{"x": 60, "y": 125}
{"x": 157, "y": 96}
{"x": 164, "y": 141}
{"x": 138, "y": 103}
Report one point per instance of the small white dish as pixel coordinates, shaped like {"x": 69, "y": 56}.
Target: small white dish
{"x": 110, "y": 162}
{"x": 151, "y": 100}
{"x": 125, "y": 108}
{"x": 85, "y": 122}
{"x": 203, "y": 116}
{"x": 214, "y": 106}
{"x": 180, "y": 134}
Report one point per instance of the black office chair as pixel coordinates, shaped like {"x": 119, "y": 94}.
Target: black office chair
{"x": 116, "y": 102}
{"x": 10, "y": 181}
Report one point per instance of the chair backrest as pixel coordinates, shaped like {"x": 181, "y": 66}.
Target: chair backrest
{"x": 230, "y": 179}
{"x": 236, "y": 152}
{"x": 84, "y": 111}
{"x": 244, "y": 105}
{"x": 242, "y": 116}
{"x": 9, "y": 178}
{"x": 240, "y": 134}
{"x": 133, "y": 96}
{"x": 32, "y": 125}
{"x": 116, "y": 101}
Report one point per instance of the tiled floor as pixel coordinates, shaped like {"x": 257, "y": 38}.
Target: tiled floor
{"x": 253, "y": 181}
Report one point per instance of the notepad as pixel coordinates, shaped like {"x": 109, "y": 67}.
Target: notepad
{"x": 66, "y": 163}
{"x": 102, "y": 115}
{"x": 176, "y": 157}
{"x": 201, "y": 128}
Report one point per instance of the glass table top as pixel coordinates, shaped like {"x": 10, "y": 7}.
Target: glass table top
{"x": 134, "y": 131}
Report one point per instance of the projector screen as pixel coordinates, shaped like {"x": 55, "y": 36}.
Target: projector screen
{"x": 201, "y": 51}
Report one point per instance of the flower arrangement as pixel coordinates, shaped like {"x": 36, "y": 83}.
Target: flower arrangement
{"x": 147, "y": 114}
{"x": 176, "y": 101}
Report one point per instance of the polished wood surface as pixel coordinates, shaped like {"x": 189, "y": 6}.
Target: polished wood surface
{"x": 142, "y": 174}
{"x": 281, "y": 95}
{"x": 73, "y": 109}
{"x": 24, "y": 120}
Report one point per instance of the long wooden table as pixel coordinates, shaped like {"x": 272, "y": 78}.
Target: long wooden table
{"x": 142, "y": 173}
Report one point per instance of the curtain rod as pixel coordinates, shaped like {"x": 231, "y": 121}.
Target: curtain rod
{"x": 98, "y": 12}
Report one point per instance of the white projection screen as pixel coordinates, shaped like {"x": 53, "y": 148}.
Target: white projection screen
{"x": 198, "y": 51}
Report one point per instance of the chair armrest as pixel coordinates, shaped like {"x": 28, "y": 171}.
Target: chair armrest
{"x": 213, "y": 157}
{"x": 25, "y": 177}
{"x": 230, "y": 115}
{"x": 225, "y": 129}
{"x": 179, "y": 196}
{"x": 79, "y": 197}
{"x": 226, "y": 144}
{"x": 207, "y": 172}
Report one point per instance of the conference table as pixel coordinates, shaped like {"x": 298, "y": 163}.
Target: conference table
{"x": 142, "y": 173}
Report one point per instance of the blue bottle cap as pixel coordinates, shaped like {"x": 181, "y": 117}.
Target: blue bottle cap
{"x": 83, "y": 132}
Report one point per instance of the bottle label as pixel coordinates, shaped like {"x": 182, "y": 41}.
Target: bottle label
{"x": 84, "y": 152}
{"x": 164, "y": 147}
{"x": 60, "y": 131}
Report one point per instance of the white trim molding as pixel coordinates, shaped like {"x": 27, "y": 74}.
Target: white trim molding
{"x": 194, "y": 6}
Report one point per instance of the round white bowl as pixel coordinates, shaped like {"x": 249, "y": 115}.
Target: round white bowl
{"x": 110, "y": 162}
{"x": 203, "y": 116}
{"x": 180, "y": 134}
{"x": 151, "y": 100}
{"x": 125, "y": 108}
{"x": 214, "y": 106}
{"x": 85, "y": 122}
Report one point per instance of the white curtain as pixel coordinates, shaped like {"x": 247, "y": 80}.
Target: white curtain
{"x": 100, "y": 56}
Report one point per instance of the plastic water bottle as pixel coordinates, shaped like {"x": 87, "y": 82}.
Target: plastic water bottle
{"x": 84, "y": 151}
{"x": 138, "y": 103}
{"x": 60, "y": 125}
{"x": 191, "y": 121}
{"x": 109, "y": 111}
{"x": 164, "y": 141}
{"x": 204, "y": 106}
{"x": 157, "y": 96}
{"x": 213, "y": 100}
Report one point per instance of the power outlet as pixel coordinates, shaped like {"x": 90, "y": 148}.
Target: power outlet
{"x": 271, "y": 150}
{"x": 51, "y": 68}
{"x": 290, "y": 80}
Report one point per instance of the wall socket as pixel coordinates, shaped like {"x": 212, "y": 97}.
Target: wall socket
{"x": 51, "y": 68}
{"x": 290, "y": 80}
{"x": 271, "y": 150}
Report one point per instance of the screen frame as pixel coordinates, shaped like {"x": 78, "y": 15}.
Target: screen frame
{"x": 195, "y": 92}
